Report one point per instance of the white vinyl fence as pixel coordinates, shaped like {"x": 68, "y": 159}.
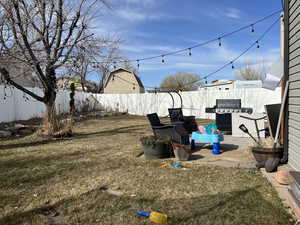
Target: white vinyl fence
{"x": 14, "y": 107}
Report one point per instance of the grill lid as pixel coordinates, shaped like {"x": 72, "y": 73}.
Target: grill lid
{"x": 228, "y": 103}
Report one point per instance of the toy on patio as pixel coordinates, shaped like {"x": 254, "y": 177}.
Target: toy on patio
{"x": 156, "y": 217}
{"x": 208, "y": 134}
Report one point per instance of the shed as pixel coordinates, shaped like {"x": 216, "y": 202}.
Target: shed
{"x": 123, "y": 81}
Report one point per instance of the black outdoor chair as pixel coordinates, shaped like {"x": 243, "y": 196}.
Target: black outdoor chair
{"x": 188, "y": 122}
{"x": 177, "y": 132}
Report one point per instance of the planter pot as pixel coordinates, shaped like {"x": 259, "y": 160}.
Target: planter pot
{"x": 157, "y": 151}
{"x": 263, "y": 154}
{"x": 182, "y": 152}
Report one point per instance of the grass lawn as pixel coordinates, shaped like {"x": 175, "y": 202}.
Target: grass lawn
{"x": 68, "y": 174}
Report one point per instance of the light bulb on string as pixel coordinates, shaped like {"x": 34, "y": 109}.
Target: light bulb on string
{"x": 113, "y": 78}
{"x": 232, "y": 66}
{"x": 138, "y": 63}
{"x": 190, "y": 52}
{"x": 220, "y": 43}
{"x": 162, "y": 59}
{"x": 252, "y": 28}
{"x": 115, "y": 66}
{"x": 257, "y": 44}
{"x": 5, "y": 92}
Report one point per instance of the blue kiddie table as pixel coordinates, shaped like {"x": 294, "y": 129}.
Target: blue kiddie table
{"x": 206, "y": 138}
{"x": 209, "y": 137}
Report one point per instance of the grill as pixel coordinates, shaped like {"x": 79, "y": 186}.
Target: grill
{"x": 228, "y": 106}
{"x": 223, "y": 109}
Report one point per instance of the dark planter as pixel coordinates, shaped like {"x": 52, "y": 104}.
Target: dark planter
{"x": 157, "y": 151}
{"x": 182, "y": 152}
{"x": 263, "y": 154}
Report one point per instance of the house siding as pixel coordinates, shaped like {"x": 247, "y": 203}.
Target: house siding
{"x": 122, "y": 82}
{"x": 293, "y": 29}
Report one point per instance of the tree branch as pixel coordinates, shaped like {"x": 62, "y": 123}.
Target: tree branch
{"x": 27, "y": 45}
{"x": 6, "y": 76}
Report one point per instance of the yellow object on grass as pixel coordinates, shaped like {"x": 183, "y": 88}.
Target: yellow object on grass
{"x": 173, "y": 165}
{"x": 158, "y": 218}
{"x": 165, "y": 165}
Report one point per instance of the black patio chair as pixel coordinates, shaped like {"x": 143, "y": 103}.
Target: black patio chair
{"x": 177, "y": 132}
{"x": 188, "y": 122}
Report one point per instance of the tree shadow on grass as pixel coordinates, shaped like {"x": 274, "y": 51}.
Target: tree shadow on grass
{"x": 121, "y": 130}
{"x": 245, "y": 207}
{"x": 14, "y": 174}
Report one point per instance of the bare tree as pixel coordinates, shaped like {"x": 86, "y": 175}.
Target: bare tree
{"x": 129, "y": 66}
{"x": 107, "y": 60}
{"x": 181, "y": 82}
{"x": 97, "y": 56}
{"x": 42, "y": 34}
{"x": 251, "y": 71}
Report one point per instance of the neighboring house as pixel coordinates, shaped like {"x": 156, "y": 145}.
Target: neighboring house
{"x": 122, "y": 81}
{"x": 64, "y": 83}
{"x": 231, "y": 84}
{"x": 248, "y": 84}
{"x": 218, "y": 85}
{"x": 20, "y": 73}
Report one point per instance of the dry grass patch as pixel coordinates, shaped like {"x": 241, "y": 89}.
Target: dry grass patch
{"x": 68, "y": 174}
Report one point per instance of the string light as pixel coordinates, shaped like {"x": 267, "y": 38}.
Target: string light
{"x": 162, "y": 59}
{"x": 257, "y": 44}
{"x": 190, "y": 52}
{"x": 227, "y": 64}
{"x": 209, "y": 41}
{"x": 115, "y": 66}
{"x": 213, "y": 40}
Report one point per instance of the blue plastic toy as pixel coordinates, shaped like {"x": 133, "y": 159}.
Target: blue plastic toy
{"x": 216, "y": 148}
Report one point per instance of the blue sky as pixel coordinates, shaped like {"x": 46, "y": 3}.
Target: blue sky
{"x": 154, "y": 27}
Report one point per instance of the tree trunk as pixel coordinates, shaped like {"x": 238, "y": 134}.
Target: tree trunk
{"x": 82, "y": 82}
{"x": 51, "y": 122}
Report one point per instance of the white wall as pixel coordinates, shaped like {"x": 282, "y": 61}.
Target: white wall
{"x": 194, "y": 103}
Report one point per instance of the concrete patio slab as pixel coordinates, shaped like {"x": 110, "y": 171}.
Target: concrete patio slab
{"x": 235, "y": 153}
